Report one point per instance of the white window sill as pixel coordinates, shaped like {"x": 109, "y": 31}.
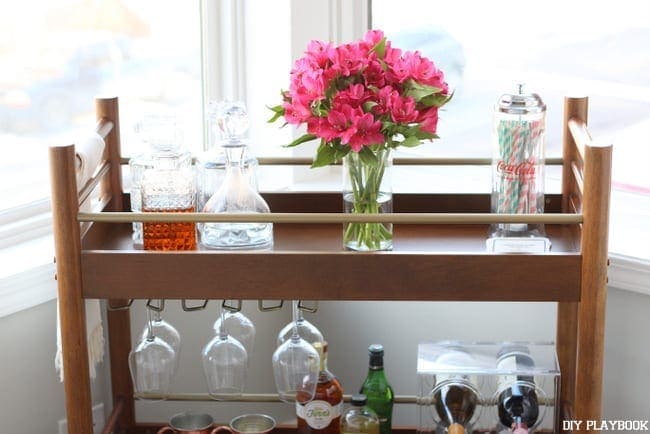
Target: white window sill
{"x": 28, "y": 278}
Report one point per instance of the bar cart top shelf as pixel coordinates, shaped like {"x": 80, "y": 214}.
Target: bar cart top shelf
{"x": 428, "y": 262}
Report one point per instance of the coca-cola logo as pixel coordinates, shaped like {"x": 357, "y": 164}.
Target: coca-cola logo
{"x": 524, "y": 169}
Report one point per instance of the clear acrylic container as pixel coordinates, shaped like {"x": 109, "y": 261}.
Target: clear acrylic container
{"x": 497, "y": 371}
{"x": 518, "y": 171}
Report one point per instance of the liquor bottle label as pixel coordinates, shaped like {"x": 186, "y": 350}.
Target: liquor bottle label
{"x": 318, "y": 414}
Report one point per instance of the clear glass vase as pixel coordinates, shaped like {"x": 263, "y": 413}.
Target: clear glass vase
{"x": 367, "y": 189}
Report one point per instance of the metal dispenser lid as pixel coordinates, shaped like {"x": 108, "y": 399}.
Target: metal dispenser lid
{"x": 521, "y": 103}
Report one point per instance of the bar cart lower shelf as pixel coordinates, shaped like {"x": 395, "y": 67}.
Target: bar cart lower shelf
{"x": 435, "y": 261}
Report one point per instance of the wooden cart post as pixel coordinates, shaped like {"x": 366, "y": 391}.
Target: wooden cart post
{"x": 567, "y": 311}
{"x": 119, "y": 321}
{"x": 72, "y": 308}
{"x": 591, "y": 314}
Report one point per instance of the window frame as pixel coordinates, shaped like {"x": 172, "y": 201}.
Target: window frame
{"x": 225, "y": 22}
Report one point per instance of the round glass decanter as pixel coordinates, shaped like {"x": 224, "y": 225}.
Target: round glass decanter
{"x": 235, "y": 194}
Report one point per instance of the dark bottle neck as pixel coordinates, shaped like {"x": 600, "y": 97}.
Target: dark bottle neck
{"x": 376, "y": 362}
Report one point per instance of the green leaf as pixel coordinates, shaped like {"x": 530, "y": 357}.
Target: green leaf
{"x": 420, "y": 91}
{"x": 325, "y": 155}
{"x": 410, "y": 142}
{"x": 302, "y": 139}
{"x": 279, "y": 112}
{"x": 437, "y": 100}
{"x": 425, "y": 135}
{"x": 340, "y": 150}
{"x": 368, "y": 105}
{"x": 417, "y": 132}
{"x": 367, "y": 156}
{"x": 380, "y": 48}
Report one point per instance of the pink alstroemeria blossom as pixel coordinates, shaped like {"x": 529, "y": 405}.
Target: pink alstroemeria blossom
{"x": 402, "y": 110}
{"x": 339, "y": 124}
{"x": 374, "y": 74}
{"x": 367, "y": 133}
{"x": 296, "y": 113}
{"x": 354, "y": 96}
{"x": 372, "y": 38}
{"x": 320, "y": 53}
{"x": 349, "y": 59}
{"x": 424, "y": 71}
{"x": 428, "y": 120}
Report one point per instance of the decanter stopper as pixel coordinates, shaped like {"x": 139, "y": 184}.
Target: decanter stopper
{"x": 232, "y": 121}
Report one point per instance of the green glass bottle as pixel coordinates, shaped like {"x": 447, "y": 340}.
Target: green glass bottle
{"x": 377, "y": 390}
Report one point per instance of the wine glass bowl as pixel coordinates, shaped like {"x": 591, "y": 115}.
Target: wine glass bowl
{"x": 152, "y": 366}
{"x": 165, "y": 331}
{"x": 295, "y": 370}
{"x": 306, "y": 330}
{"x": 224, "y": 361}
{"x": 295, "y": 365}
{"x": 153, "y": 363}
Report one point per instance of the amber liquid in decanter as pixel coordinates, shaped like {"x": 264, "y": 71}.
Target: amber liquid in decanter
{"x": 169, "y": 235}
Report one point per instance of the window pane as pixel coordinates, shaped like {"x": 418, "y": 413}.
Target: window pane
{"x": 268, "y": 62}
{"x": 558, "y": 48}
{"x": 72, "y": 51}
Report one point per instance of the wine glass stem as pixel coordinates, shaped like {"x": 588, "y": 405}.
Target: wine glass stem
{"x": 156, "y": 315}
{"x": 295, "y": 314}
{"x": 223, "y": 333}
{"x": 150, "y": 335}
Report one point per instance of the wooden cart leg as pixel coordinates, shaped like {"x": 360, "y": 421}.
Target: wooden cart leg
{"x": 119, "y": 333}
{"x": 591, "y": 314}
{"x": 72, "y": 307}
{"x": 566, "y": 342}
{"x": 567, "y": 312}
{"x": 119, "y": 323}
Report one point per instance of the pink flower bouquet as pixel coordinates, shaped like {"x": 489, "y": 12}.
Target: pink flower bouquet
{"x": 363, "y": 99}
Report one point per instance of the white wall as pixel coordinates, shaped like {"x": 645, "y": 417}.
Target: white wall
{"x": 32, "y": 399}
{"x": 31, "y": 396}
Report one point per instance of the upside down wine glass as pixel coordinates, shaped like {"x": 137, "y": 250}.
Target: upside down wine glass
{"x": 295, "y": 366}
{"x": 306, "y": 330}
{"x": 165, "y": 331}
{"x": 240, "y": 327}
{"x": 224, "y": 364}
{"x": 152, "y": 364}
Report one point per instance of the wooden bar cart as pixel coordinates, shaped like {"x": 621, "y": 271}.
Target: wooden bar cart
{"x": 439, "y": 254}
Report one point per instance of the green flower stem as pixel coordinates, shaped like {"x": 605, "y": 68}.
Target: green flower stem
{"x": 365, "y": 180}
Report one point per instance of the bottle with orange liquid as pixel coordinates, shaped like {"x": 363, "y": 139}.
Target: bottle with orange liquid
{"x": 322, "y": 415}
{"x": 168, "y": 187}
{"x": 163, "y": 135}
